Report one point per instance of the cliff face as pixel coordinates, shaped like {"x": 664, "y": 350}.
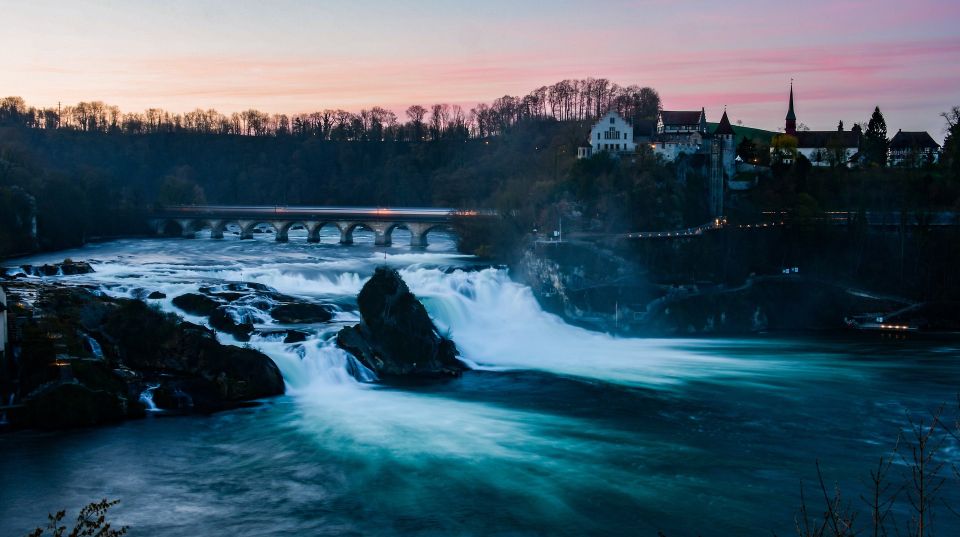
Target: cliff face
{"x": 596, "y": 288}
{"x": 587, "y": 285}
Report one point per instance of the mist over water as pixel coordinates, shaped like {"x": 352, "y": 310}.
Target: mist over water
{"x": 556, "y": 430}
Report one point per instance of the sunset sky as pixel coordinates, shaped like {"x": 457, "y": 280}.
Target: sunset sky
{"x": 298, "y": 56}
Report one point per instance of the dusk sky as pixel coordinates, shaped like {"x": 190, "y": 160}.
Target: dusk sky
{"x": 298, "y": 56}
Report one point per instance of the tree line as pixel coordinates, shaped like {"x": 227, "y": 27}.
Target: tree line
{"x": 567, "y": 100}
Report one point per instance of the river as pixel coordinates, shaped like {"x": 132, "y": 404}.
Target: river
{"x": 556, "y": 431}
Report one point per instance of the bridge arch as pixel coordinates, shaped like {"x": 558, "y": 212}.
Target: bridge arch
{"x": 347, "y": 229}
{"x": 283, "y": 228}
{"x": 247, "y": 227}
{"x": 419, "y": 232}
{"x": 315, "y": 228}
{"x": 172, "y": 228}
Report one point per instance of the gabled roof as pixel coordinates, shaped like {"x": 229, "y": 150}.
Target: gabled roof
{"x": 644, "y": 127}
{"x": 724, "y": 127}
{"x": 823, "y": 139}
{"x": 681, "y": 117}
{"x": 913, "y": 140}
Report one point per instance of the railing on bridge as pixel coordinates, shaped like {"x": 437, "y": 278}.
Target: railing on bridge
{"x": 186, "y": 220}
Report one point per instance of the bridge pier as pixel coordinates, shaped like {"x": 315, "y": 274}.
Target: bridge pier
{"x": 216, "y": 229}
{"x": 186, "y": 230}
{"x": 246, "y": 229}
{"x": 313, "y": 231}
{"x": 418, "y": 235}
{"x": 346, "y": 232}
{"x": 281, "y": 229}
{"x": 381, "y": 235}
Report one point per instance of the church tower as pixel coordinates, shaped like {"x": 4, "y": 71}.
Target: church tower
{"x": 791, "y": 116}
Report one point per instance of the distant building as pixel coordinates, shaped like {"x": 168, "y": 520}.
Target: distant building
{"x": 612, "y": 134}
{"x": 911, "y": 149}
{"x": 821, "y": 148}
{"x": 677, "y": 136}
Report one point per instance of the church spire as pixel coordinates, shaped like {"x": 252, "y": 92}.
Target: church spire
{"x": 791, "y": 126}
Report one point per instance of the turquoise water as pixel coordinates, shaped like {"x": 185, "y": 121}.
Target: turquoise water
{"x": 556, "y": 430}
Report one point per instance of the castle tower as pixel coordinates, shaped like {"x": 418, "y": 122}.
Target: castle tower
{"x": 723, "y": 154}
{"x": 791, "y": 127}
{"x": 728, "y": 151}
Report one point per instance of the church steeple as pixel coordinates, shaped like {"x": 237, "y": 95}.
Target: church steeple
{"x": 791, "y": 126}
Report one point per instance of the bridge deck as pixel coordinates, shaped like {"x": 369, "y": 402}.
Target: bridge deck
{"x": 406, "y": 214}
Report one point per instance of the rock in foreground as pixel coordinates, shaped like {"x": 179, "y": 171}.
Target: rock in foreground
{"x": 396, "y": 336}
{"x": 67, "y": 380}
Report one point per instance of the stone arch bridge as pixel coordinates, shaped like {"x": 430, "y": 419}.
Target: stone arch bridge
{"x": 187, "y": 220}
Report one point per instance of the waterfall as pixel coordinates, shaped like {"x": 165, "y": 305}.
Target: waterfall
{"x": 146, "y": 397}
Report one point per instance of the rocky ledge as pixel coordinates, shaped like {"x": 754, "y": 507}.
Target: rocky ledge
{"x": 85, "y": 359}
{"x": 235, "y": 307}
{"x": 67, "y": 268}
{"x": 395, "y": 336}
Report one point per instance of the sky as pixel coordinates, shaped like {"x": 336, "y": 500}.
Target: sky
{"x": 289, "y": 56}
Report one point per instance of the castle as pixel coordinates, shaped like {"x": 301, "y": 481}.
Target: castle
{"x": 685, "y": 138}
{"x": 681, "y": 136}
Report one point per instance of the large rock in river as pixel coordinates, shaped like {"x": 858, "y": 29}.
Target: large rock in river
{"x": 301, "y": 313}
{"x": 396, "y": 336}
{"x": 188, "y": 350}
{"x": 196, "y": 304}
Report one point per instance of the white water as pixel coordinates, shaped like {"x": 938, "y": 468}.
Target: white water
{"x": 146, "y": 397}
{"x": 476, "y": 456}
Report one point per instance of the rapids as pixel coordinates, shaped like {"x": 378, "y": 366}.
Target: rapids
{"x": 556, "y": 430}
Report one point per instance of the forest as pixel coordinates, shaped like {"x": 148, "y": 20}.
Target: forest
{"x": 91, "y": 171}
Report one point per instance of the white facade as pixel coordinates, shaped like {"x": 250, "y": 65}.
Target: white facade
{"x": 670, "y": 147}
{"x": 823, "y": 157}
{"x": 612, "y": 133}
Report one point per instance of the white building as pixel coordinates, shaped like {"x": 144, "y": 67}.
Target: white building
{"x": 612, "y": 134}
{"x": 679, "y": 132}
{"x": 913, "y": 149}
{"x": 821, "y": 148}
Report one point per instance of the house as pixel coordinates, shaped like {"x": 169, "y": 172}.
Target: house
{"x": 821, "y": 148}
{"x": 829, "y": 148}
{"x": 677, "y": 136}
{"x": 912, "y": 149}
{"x": 612, "y": 133}
{"x": 679, "y": 131}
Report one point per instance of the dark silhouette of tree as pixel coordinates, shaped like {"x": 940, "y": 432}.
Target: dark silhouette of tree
{"x": 875, "y": 139}
{"x": 416, "y": 113}
{"x": 951, "y": 145}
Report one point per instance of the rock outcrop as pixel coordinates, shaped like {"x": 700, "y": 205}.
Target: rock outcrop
{"x": 235, "y": 307}
{"x": 67, "y": 381}
{"x": 301, "y": 313}
{"x": 196, "y": 304}
{"x": 66, "y": 268}
{"x": 396, "y": 336}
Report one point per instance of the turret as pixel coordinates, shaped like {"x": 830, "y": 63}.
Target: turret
{"x": 791, "y": 127}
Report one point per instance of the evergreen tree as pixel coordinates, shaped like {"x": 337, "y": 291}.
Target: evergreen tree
{"x": 951, "y": 146}
{"x": 875, "y": 139}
